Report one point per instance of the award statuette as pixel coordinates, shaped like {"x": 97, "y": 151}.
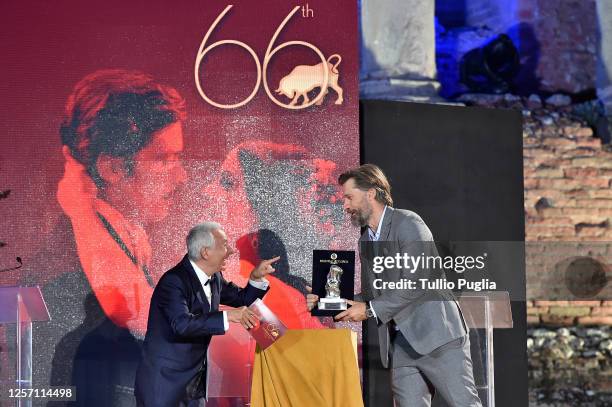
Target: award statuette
{"x": 333, "y": 273}
{"x": 332, "y": 300}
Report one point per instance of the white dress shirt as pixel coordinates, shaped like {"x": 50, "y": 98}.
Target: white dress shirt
{"x": 203, "y": 277}
{"x": 374, "y": 236}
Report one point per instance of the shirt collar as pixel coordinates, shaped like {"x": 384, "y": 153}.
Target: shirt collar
{"x": 202, "y": 276}
{"x": 376, "y": 236}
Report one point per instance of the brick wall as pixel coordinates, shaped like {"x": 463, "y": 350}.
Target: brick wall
{"x": 569, "y": 312}
{"x": 567, "y": 185}
{"x": 568, "y": 198}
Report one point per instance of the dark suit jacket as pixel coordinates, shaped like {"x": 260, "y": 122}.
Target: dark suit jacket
{"x": 180, "y": 327}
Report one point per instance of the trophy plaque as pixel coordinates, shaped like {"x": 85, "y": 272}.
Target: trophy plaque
{"x": 333, "y": 276}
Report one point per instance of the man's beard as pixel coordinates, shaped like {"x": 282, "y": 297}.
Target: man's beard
{"x": 359, "y": 217}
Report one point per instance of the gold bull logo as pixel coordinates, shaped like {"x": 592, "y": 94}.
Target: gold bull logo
{"x": 305, "y": 78}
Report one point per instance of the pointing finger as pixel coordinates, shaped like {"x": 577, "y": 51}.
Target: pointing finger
{"x": 272, "y": 260}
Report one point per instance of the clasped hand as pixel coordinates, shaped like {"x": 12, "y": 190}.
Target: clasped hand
{"x": 356, "y": 313}
{"x": 243, "y": 316}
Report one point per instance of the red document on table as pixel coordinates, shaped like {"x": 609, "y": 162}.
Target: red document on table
{"x": 269, "y": 329}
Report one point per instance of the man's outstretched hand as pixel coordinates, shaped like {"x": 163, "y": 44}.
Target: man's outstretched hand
{"x": 263, "y": 269}
{"x": 354, "y": 314}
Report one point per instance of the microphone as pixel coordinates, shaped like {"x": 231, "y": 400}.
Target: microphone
{"x": 14, "y": 268}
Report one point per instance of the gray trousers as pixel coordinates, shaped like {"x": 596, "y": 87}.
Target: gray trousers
{"x": 447, "y": 369}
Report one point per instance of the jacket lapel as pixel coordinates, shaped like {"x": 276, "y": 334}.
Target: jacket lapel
{"x": 366, "y": 252}
{"x": 369, "y": 250}
{"x": 365, "y": 247}
{"x": 386, "y": 227}
{"x": 215, "y": 289}
{"x": 195, "y": 282}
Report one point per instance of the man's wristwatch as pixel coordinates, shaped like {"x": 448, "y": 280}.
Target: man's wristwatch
{"x": 369, "y": 313}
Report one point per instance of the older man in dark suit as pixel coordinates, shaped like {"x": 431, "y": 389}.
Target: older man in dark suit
{"x": 184, "y": 315}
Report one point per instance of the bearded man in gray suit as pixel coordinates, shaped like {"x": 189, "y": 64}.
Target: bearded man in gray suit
{"x": 422, "y": 334}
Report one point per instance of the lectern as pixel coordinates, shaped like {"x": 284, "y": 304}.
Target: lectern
{"x": 19, "y": 307}
{"x": 484, "y": 312}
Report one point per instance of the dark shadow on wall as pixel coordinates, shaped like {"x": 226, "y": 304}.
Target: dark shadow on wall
{"x": 455, "y": 40}
{"x": 104, "y": 361}
{"x": 451, "y": 13}
{"x": 526, "y": 80}
{"x": 265, "y": 244}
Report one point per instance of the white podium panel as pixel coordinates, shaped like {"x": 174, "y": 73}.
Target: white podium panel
{"x": 484, "y": 312}
{"x": 19, "y": 307}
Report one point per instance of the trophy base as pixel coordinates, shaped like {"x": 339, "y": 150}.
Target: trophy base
{"x": 332, "y": 304}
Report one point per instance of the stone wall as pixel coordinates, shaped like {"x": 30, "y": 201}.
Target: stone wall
{"x": 398, "y": 60}
{"x": 566, "y": 32}
{"x": 570, "y": 366}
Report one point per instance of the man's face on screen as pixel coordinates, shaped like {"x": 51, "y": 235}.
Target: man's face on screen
{"x": 147, "y": 192}
{"x": 356, "y": 203}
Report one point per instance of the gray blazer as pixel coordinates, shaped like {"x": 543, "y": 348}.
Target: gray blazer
{"x": 427, "y": 319}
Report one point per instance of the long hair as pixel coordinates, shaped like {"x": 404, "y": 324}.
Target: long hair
{"x": 369, "y": 176}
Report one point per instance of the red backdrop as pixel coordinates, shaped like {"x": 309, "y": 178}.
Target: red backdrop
{"x": 282, "y": 164}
